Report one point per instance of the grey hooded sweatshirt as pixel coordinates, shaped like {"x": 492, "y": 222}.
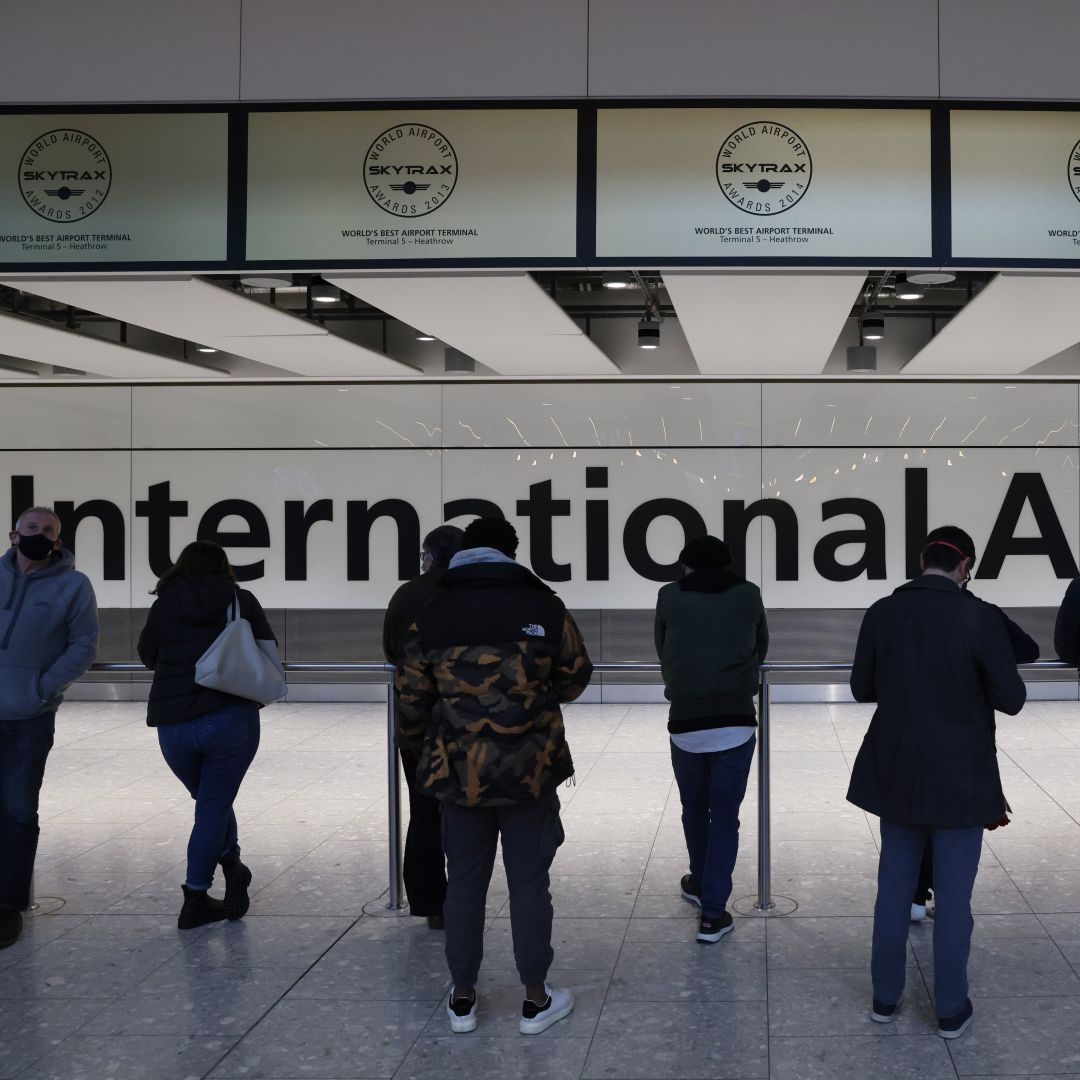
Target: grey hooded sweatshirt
{"x": 48, "y": 634}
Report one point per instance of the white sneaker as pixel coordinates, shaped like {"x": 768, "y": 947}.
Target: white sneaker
{"x": 918, "y": 913}
{"x": 462, "y": 1016}
{"x": 534, "y": 1019}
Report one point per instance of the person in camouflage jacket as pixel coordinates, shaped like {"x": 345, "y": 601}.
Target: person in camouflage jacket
{"x": 484, "y": 668}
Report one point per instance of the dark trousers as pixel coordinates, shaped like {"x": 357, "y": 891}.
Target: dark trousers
{"x": 956, "y": 862}
{"x": 712, "y": 787}
{"x": 531, "y": 834}
{"x": 24, "y": 749}
{"x": 210, "y": 756}
{"x": 424, "y": 866}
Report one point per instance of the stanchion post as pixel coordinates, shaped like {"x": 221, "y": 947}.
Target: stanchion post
{"x": 764, "y": 900}
{"x": 393, "y": 797}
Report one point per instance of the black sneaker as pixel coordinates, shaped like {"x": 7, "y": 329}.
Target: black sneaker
{"x": 952, "y": 1027}
{"x": 690, "y": 890}
{"x": 881, "y": 1013}
{"x": 713, "y": 927}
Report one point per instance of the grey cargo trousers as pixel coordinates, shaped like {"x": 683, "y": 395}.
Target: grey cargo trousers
{"x": 531, "y": 834}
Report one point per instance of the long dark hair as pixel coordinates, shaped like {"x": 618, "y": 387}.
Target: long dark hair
{"x": 201, "y": 558}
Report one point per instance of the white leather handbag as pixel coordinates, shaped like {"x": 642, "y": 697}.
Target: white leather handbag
{"x": 240, "y": 664}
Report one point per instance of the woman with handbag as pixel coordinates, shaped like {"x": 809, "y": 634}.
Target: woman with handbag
{"x": 208, "y": 737}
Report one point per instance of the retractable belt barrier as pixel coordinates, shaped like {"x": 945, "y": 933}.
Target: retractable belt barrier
{"x": 764, "y": 904}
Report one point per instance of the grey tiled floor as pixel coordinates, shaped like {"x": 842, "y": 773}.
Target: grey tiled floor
{"x": 309, "y": 985}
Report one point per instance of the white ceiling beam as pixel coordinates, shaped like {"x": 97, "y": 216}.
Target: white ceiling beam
{"x": 765, "y": 323}
{"x": 29, "y": 339}
{"x": 206, "y": 314}
{"x": 1018, "y": 320}
{"x": 503, "y": 320}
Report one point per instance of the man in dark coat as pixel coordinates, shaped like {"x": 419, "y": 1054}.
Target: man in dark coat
{"x": 938, "y": 665}
{"x": 424, "y": 865}
{"x": 486, "y": 664}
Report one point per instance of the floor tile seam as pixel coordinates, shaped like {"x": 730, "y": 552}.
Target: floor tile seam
{"x": 281, "y": 997}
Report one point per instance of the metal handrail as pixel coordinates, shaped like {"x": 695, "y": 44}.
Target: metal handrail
{"x": 764, "y": 902}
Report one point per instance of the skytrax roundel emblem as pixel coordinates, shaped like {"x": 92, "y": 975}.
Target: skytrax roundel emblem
{"x": 1074, "y": 170}
{"x": 64, "y": 175}
{"x": 763, "y": 168}
{"x": 410, "y": 170}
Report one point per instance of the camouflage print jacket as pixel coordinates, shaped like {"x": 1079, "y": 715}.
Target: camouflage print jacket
{"x": 483, "y": 671}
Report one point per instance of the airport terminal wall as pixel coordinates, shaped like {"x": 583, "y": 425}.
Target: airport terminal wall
{"x": 322, "y": 493}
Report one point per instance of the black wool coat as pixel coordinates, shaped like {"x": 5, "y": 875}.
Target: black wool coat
{"x": 938, "y": 663}
{"x": 186, "y": 617}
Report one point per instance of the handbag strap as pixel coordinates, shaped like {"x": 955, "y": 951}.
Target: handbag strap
{"x": 234, "y": 607}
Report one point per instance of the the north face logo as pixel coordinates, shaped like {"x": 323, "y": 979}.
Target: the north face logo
{"x": 533, "y": 630}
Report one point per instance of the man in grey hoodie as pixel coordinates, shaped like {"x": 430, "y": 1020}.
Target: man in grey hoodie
{"x": 48, "y": 638}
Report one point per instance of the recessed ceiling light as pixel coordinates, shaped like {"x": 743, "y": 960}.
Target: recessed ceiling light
{"x": 930, "y": 277}
{"x": 266, "y": 281}
{"x": 909, "y": 292}
{"x": 204, "y": 348}
{"x": 322, "y": 293}
{"x": 424, "y": 337}
{"x": 616, "y": 284}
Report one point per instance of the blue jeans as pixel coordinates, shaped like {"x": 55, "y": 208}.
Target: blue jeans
{"x": 210, "y": 756}
{"x": 24, "y": 748}
{"x": 712, "y": 787}
{"x": 956, "y": 862}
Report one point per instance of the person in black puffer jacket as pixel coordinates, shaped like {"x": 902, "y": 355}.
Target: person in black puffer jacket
{"x": 208, "y": 738}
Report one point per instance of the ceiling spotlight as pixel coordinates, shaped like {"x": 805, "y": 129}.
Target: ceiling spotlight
{"x": 266, "y": 281}
{"x": 616, "y": 283}
{"x": 424, "y": 337}
{"x": 872, "y": 329}
{"x": 322, "y": 293}
{"x": 861, "y": 358}
{"x": 204, "y": 348}
{"x": 905, "y": 290}
{"x": 930, "y": 277}
{"x": 648, "y": 333}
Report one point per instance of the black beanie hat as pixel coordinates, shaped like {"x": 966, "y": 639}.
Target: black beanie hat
{"x": 705, "y": 551}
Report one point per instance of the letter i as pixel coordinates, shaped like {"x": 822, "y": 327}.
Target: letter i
{"x": 597, "y": 540}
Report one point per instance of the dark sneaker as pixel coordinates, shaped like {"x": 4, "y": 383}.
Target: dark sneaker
{"x": 10, "y": 927}
{"x": 713, "y": 927}
{"x": 461, "y": 1012}
{"x": 690, "y": 890}
{"x": 952, "y": 1027}
{"x": 536, "y": 1018}
{"x": 881, "y": 1013}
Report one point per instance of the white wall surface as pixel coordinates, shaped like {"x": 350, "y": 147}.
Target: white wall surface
{"x": 62, "y": 51}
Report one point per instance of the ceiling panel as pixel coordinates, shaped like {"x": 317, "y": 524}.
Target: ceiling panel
{"x": 1018, "y": 320}
{"x": 197, "y": 311}
{"x": 45, "y": 344}
{"x": 763, "y": 324}
{"x": 503, "y": 320}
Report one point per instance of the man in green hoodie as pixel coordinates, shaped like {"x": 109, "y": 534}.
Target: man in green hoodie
{"x": 48, "y": 638}
{"x": 711, "y": 635}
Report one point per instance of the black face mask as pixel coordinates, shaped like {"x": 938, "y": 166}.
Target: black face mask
{"x": 36, "y": 546}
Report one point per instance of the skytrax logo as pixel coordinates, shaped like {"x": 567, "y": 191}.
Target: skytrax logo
{"x": 64, "y": 175}
{"x": 1074, "y": 170}
{"x": 410, "y": 170}
{"x": 763, "y": 168}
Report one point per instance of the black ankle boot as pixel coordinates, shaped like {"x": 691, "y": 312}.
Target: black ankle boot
{"x": 237, "y": 879}
{"x": 199, "y": 909}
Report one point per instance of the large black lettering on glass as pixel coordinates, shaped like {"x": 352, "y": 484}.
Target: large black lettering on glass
{"x": 257, "y": 535}
{"x": 359, "y": 518}
{"x": 737, "y": 518}
{"x": 871, "y": 536}
{"x": 113, "y": 532}
{"x": 1027, "y": 488}
{"x": 635, "y": 536}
